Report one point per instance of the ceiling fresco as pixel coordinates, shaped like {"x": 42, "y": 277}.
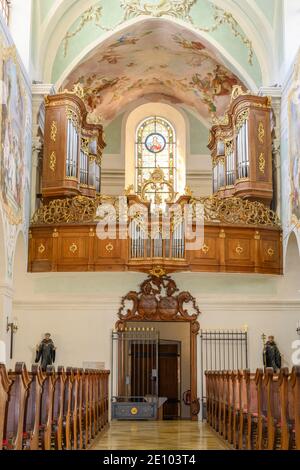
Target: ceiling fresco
{"x": 150, "y": 59}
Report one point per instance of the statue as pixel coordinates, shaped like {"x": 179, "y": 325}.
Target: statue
{"x": 45, "y": 352}
{"x": 272, "y": 356}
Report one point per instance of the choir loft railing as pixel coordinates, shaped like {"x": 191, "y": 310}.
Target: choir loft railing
{"x": 222, "y": 350}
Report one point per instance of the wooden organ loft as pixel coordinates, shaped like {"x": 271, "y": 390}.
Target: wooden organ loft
{"x": 241, "y": 233}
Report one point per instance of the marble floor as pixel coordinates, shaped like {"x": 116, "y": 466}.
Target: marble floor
{"x": 158, "y": 435}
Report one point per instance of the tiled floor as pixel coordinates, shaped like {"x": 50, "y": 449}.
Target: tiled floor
{"x": 158, "y": 435}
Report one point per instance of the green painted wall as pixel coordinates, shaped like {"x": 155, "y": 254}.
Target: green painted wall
{"x": 198, "y": 135}
{"x": 45, "y": 7}
{"x": 113, "y": 134}
{"x": 268, "y": 7}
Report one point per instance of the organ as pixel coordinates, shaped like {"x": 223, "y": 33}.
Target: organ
{"x": 241, "y": 149}
{"x": 73, "y": 148}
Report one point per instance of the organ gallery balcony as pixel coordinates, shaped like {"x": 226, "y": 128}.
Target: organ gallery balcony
{"x": 105, "y": 234}
{"x": 153, "y": 228}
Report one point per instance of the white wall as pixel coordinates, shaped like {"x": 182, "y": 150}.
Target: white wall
{"x": 80, "y": 309}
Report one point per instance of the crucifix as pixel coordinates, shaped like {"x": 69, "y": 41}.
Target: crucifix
{"x": 13, "y": 327}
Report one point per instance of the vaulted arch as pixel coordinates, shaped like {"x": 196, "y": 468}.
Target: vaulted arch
{"x": 64, "y": 14}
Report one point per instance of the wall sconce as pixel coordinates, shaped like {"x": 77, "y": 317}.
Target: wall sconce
{"x": 13, "y": 327}
{"x": 298, "y": 328}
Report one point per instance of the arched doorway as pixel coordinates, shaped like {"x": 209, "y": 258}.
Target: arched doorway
{"x": 157, "y": 301}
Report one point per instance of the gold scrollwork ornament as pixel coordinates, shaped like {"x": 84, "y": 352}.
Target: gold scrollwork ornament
{"x": 158, "y": 271}
{"x": 53, "y": 132}
{"x": 262, "y": 163}
{"x": 239, "y": 250}
{"x": 109, "y": 248}
{"x": 271, "y": 252}
{"x": 41, "y": 249}
{"x": 52, "y": 162}
{"x": 205, "y": 249}
{"x": 73, "y": 248}
{"x": 261, "y": 132}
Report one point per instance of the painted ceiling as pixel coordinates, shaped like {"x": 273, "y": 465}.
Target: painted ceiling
{"x": 150, "y": 60}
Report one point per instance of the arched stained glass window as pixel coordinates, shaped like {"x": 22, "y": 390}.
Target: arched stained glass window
{"x": 155, "y": 148}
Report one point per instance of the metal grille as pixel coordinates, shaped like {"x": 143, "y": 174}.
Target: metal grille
{"x": 4, "y": 8}
{"x": 135, "y": 368}
{"x": 222, "y": 350}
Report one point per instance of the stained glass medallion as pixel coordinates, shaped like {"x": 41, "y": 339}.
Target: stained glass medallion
{"x": 155, "y": 143}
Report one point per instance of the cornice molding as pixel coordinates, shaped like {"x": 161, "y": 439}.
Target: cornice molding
{"x": 206, "y": 304}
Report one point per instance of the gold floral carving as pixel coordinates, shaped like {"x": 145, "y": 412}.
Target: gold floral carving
{"x": 53, "y": 132}
{"x": 158, "y": 271}
{"x": 242, "y": 118}
{"x": 232, "y": 210}
{"x": 73, "y": 248}
{"x": 261, "y": 132}
{"x": 239, "y": 250}
{"x": 94, "y": 13}
{"x": 41, "y": 249}
{"x": 158, "y": 180}
{"x": 271, "y": 252}
{"x": 109, "y": 248}
{"x": 262, "y": 163}
{"x": 52, "y": 162}
{"x": 205, "y": 249}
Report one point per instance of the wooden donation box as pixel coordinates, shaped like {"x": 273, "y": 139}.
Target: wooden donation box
{"x": 241, "y": 149}
{"x": 73, "y": 149}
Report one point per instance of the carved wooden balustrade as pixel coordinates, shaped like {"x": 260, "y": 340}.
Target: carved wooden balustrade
{"x": 239, "y": 236}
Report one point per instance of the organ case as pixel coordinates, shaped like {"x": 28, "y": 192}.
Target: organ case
{"x": 241, "y": 149}
{"x": 73, "y": 149}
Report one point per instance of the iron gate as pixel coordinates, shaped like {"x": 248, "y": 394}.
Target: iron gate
{"x": 221, "y": 350}
{"x": 135, "y": 373}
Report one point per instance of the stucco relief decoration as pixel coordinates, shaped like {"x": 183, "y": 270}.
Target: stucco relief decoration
{"x": 181, "y": 9}
{"x": 92, "y": 14}
{"x": 294, "y": 139}
{"x": 178, "y": 67}
{"x": 14, "y": 132}
{"x": 158, "y": 8}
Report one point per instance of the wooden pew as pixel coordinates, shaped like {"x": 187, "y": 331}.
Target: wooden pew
{"x": 232, "y": 407}
{"x": 80, "y": 419}
{"x": 295, "y": 385}
{"x": 285, "y": 422}
{"x": 47, "y": 408}
{"x": 58, "y": 408}
{"x": 106, "y": 402}
{"x": 250, "y": 431}
{"x": 86, "y": 410}
{"x": 52, "y": 410}
{"x": 242, "y": 413}
{"x": 5, "y": 385}
{"x": 15, "y": 410}
{"x": 272, "y": 425}
{"x": 33, "y": 409}
{"x": 67, "y": 417}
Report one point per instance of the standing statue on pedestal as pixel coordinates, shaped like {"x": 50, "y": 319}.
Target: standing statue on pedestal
{"x": 272, "y": 356}
{"x": 45, "y": 352}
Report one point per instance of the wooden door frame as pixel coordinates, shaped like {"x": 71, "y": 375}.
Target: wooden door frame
{"x": 158, "y": 301}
